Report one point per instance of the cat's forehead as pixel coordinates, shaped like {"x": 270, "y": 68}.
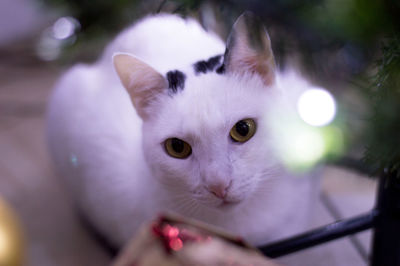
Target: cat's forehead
{"x": 210, "y": 103}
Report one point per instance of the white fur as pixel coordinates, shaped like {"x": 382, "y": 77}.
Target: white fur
{"x": 117, "y": 168}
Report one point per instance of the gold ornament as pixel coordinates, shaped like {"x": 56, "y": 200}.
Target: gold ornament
{"x": 11, "y": 242}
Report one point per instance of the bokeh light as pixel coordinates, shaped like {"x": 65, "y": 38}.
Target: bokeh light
{"x": 48, "y": 48}
{"x": 65, "y": 27}
{"x": 4, "y": 244}
{"x": 170, "y": 231}
{"x": 176, "y": 244}
{"x": 55, "y": 38}
{"x": 316, "y": 107}
{"x": 300, "y": 146}
{"x": 73, "y": 160}
{"x": 302, "y": 128}
{"x": 308, "y": 147}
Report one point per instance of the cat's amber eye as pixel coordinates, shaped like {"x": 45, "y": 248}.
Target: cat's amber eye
{"x": 243, "y": 130}
{"x": 177, "y": 148}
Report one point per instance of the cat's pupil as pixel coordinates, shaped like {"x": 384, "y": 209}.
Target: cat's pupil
{"x": 177, "y": 145}
{"x": 242, "y": 128}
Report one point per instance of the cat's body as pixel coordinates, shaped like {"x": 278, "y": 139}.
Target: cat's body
{"x": 113, "y": 156}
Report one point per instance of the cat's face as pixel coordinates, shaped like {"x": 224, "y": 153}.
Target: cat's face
{"x": 205, "y": 135}
{"x": 215, "y": 166}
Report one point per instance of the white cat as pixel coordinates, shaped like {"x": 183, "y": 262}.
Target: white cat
{"x": 182, "y": 123}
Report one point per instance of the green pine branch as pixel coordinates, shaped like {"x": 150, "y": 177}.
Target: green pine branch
{"x": 383, "y": 148}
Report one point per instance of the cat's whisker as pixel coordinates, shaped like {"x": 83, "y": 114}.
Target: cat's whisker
{"x": 179, "y": 199}
{"x": 184, "y": 203}
{"x": 189, "y": 207}
{"x": 192, "y": 208}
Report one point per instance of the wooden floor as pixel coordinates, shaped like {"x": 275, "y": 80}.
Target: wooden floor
{"x": 53, "y": 235}
{"x": 27, "y": 181}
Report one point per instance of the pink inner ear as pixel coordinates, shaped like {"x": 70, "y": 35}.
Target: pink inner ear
{"x": 261, "y": 66}
{"x": 245, "y": 56}
{"x": 249, "y": 61}
{"x": 244, "y": 59}
{"x": 142, "y": 82}
{"x": 144, "y": 88}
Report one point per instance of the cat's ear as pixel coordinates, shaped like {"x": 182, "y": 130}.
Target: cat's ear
{"x": 142, "y": 82}
{"x": 249, "y": 49}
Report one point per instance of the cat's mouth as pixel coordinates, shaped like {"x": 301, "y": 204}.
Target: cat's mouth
{"x": 227, "y": 204}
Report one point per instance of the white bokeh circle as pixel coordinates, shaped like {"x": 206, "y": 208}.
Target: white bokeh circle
{"x": 316, "y": 107}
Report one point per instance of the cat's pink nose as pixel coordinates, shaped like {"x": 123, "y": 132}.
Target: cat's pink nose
{"x": 219, "y": 190}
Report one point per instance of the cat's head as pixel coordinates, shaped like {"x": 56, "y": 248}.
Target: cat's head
{"x": 204, "y": 132}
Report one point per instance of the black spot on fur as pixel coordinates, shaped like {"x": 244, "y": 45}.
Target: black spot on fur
{"x": 209, "y": 65}
{"x": 200, "y": 67}
{"x": 176, "y": 80}
{"x": 220, "y": 69}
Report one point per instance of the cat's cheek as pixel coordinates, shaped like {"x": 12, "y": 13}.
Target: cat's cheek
{"x": 173, "y": 171}
{"x": 251, "y": 163}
